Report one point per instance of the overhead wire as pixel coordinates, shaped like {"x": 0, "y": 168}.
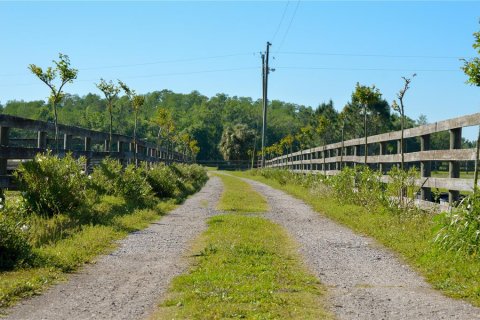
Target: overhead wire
{"x": 149, "y": 63}
{"x": 281, "y": 21}
{"x": 367, "y": 55}
{"x": 289, "y": 26}
{"x": 150, "y": 75}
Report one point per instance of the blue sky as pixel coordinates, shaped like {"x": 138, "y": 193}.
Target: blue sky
{"x": 320, "y": 49}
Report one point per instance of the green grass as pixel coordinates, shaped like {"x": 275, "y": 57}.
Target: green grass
{"x": 410, "y": 236}
{"x": 83, "y": 246}
{"x": 244, "y": 267}
{"x": 239, "y": 196}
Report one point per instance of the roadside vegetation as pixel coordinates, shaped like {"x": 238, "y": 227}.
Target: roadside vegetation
{"x": 62, "y": 218}
{"x": 244, "y": 266}
{"x": 443, "y": 247}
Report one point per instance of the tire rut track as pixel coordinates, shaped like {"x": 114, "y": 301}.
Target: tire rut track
{"x": 364, "y": 279}
{"x": 129, "y": 282}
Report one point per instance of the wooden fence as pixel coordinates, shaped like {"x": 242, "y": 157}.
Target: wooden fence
{"x": 329, "y": 159}
{"x": 93, "y": 145}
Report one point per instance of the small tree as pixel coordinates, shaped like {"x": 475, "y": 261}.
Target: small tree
{"x": 472, "y": 70}
{"x": 287, "y": 143}
{"x": 166, "y": 126}
{"x": 67, "y": 74}
{"x": 401, "y": 109}
{"x": 110, "y": 91}
{"x": 366, "y": 96}
{"x": 137, "y": 103}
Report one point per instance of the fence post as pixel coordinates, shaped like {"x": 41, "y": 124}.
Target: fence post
{"x": 356, "y": 152}
{"x": 4, "y": 132}
{"x": 383, "y": 151}
{"x": 454, "y": 166}
{"x": 67, "y": 141}
{"x": 42, "y": 140}
{"x": 425, "y": 167}
{"x": 87, "y": 146}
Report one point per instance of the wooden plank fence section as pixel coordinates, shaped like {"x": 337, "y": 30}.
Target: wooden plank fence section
{"x": 329, "y": 159}
{"x": 91, "y": 144}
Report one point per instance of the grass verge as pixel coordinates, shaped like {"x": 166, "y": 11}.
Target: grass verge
{"x": 245, "y": 267}
{"x": 51, "y": 261}
{"x": 410, "y": 236}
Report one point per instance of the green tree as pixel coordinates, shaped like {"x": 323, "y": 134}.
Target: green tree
{"x": 110, "y": 91}
{"x": 236, "y": 141}
{"x": 166, "y": 127}
{"x": 67, "y": 75}
{"x": 472, "y": 70}
{"x": 367, "y": 97}
{"x": 137, "y": 102}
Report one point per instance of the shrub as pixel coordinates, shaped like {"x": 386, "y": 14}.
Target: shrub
{"x": 14, "y": 248}
{"x": 401, "y": 189}
{"x": 109, "y": 178}
{"x": 106, "y": 178}
{"x": 343, "y": 185}
{"x": 52, "y": 185}
{"x": 163, "y": 181}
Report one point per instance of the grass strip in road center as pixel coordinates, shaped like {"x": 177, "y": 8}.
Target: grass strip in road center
{"x": 239, "y": 196}
{"x": 244, "y": 267}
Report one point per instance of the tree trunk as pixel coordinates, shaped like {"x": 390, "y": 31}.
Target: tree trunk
{"x": 135, "y": 141}
{"x": 111, "y": 125}
{"x": 475, "y": 176}
{"x": 56, "y": 126}
{"x": 365, "y": 132}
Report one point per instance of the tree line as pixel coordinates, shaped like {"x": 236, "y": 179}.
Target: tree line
{"x": 215, "y": 127}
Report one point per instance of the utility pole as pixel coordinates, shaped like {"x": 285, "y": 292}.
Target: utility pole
{"x": 264, "y": 111}
{"x": 265, "y": 72}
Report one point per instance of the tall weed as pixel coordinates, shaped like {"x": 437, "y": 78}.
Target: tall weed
{"x": 459, "y": 229}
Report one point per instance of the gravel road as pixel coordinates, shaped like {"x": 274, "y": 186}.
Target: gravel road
{"x": 364, "y": 280}
{"x": 128, "y": 283}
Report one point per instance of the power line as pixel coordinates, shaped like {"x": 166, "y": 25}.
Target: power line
{"x": 289, "y": 25}
{"x": 368, "y": 55}
{"x": 281, "y": 21}
{"x": 367, "y": 69}
{"x": 148, "y": 63}
{"x": 150, "y": 76}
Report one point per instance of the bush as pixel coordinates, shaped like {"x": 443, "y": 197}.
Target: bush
{"x": 163, "y": 181}
{"x": 106, "y": 178}
{"x": 109, "y": 178}
{"x": 14, "y": 247}
{"x": 401, "y": 189}
{"x": 52, "y": 185}
{"x": 459, "y": 229}
{"x": 176, "y": 180}
{"x": 343, "y": 185}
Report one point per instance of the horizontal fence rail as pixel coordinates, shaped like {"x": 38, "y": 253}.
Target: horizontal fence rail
{"x": 329, "y": 159}
{"x": 93, "y": 145}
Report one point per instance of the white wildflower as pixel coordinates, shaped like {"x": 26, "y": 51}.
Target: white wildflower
{"x": 24, "y": 228}
{"x": 90, "y": 177}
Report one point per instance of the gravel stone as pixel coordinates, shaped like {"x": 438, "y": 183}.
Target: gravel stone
{"x": 128, "y": 283}
{"x": 364, "y": 279}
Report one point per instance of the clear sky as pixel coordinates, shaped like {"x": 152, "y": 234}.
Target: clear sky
{"x": 320, "y": 49}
